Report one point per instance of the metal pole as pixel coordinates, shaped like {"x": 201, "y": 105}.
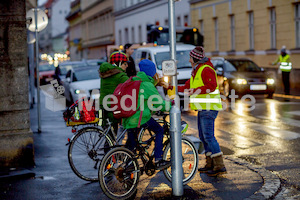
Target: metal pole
{"x": 175, "y": 116}
{"x": 37, "y": 71}
{"x": 31, "y": 75}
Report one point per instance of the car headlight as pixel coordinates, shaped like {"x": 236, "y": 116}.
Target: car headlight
{"x": 79, "y": 91}
{"x": 166, "y": 79}
{"x": 270, "y": 81}
{"x": 241, "y": 81}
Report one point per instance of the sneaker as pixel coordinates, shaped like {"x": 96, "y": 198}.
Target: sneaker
{"x": 162, "y": 164}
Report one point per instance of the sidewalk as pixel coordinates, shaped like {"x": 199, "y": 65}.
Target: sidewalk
{"x": 54, "y": 178}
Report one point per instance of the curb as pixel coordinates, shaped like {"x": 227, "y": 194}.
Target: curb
{"x": 271, "y": 181}
{"x": 17, "y": 174}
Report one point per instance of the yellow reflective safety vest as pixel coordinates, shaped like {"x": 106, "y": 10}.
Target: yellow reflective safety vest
{"x": 210, "y": 101}
{"x": 285, "y": 64}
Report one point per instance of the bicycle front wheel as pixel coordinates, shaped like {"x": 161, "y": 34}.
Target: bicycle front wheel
{"x": 189, "y": 160}
{"x": 119, "y": 174}
{"x": 86, "y": 151}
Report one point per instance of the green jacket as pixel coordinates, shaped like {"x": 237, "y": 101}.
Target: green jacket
{"x": 111, "y": 77}
{"x": 147, "y": 89}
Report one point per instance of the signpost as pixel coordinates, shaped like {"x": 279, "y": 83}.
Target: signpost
{"x": 38, "y": 21}
{"x": 170, "y": 69}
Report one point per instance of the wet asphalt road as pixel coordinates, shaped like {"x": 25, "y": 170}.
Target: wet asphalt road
{"x": 267, "y": 135}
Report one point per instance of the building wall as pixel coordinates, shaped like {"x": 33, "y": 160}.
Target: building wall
{"x": 97, "y": 24}
{"x": 131, "y": 19}
{"x": 60, "y": 9}
{"x": 206, "y": 12}
{"x": 16, "y": 142}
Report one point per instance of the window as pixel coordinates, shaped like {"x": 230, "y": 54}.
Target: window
{"x": 132, "y": 35}
{"x": 297, "y": 23}
{"x": 216, "y": 34}
{"x": 120, "y": 37}
{"x": 232, "y": 32}
{"x": 251, "y": 31}
{"x": 126, "y": 35}
{"x": 140, "y": 33}
{"x": 178, "y": 23}
{"x": 201, "y": 27}
{"x": 166, "y": 22}
{"x": 273, "y": 28}
{"x": 186, "y": 20}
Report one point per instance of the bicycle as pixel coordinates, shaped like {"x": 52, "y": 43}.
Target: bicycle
{"x": 119, "y": 170}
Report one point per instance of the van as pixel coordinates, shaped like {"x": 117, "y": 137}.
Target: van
{"x": 160, "y": 53}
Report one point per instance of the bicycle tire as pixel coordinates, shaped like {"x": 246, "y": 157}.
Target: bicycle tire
{"x": 190, "y": 160}
{"x": 119, "y": 170}
{"x": 83, "y": 157}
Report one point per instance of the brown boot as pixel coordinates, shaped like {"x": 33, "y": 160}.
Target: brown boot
{"x": 208, "y": 166}
{"x": 219, "y": 167}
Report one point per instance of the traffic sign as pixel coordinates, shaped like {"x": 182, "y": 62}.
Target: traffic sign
{"x": 169, "y": 67}
{"x": 42, "y": 20}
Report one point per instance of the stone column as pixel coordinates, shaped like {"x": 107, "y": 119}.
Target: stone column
{"x": 16, "y": 141}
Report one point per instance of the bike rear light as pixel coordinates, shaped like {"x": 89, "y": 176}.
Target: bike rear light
{"x": 131, "y": 176}
{"x": 190, "y": 167}
{"x": 108, "y": 166}
{"x": 69, "y": 140}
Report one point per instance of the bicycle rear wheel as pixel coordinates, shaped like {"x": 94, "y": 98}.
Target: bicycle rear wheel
{"x": 86, "y": 151}
{"x": 119, "y": 174}
{"x": 189, "y": 160}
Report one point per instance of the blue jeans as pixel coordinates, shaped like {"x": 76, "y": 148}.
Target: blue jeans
{"x": 157, "y": 129}
{"x": 206, "y": 126}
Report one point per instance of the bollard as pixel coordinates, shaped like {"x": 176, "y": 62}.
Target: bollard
{"x": 176, "y": 154}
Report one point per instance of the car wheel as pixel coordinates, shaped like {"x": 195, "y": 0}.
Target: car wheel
{"x": 270, "y": 95}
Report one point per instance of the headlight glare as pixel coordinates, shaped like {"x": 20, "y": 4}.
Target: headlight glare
{"x": 241, "y": 81}
{"x": 270, "y": 81}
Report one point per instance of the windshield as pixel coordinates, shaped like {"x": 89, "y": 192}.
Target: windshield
{"x": 86, "y": 74}
{"x": 181, "y": 56}
{"x": 47, "y": 67}
{"x": 245, "y": 66}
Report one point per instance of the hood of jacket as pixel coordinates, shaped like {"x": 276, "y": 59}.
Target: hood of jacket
{"x": 106, "y": 70}
{"x": 143, "y": 77}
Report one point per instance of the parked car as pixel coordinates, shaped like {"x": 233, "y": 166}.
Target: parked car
{"x": 64, "y": 67}
{"x": 46, "y": 73}
{"x": 80, "y": 81}
{"x": 94, "y": 62}
{"x": 160, "y": 53}
{"x": 242, "y": 75}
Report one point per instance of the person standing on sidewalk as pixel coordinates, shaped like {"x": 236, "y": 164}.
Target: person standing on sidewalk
{"x": 205, "y": 97}
{"x": 285, "y": 68}
{"x": 128, "y": 50}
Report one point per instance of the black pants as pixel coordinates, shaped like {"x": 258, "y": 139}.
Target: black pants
{"x": 286, "y": 82}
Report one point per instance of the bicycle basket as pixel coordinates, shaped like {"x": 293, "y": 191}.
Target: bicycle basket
{"x": 78, "y": 112}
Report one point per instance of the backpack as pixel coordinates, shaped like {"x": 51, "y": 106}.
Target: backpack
{"x": 126, "y": 88}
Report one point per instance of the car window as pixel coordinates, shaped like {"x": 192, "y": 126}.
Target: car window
{"x": 217, "y": 63}
{"x": 68, "y": 74}
{"x": 87, "y": 74}
{"x": 144, "y": 55}
{"x": 64, "y": 69}
{"x": 47, "y": 67}
{"x": 245, "y": 66}
{"x": 181, "y": 56}
{"x": 229, "y": 67}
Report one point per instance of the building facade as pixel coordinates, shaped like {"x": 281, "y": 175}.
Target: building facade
{"x": 133, "y": 16}
{"x": 249, "y": 28}
{"x": 75, "y": 38}
{"x": 97, "y": 24}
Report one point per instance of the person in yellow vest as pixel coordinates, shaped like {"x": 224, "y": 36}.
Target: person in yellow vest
{"x": 285, "y": 67}
{"x": 205, "y": 97}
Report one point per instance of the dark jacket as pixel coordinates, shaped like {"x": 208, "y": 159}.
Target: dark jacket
{"x": 131, "y": 71}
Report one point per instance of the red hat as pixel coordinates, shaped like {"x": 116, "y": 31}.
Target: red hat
{"x": 198, "y": 53}
{"x": 117, "y": 57}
